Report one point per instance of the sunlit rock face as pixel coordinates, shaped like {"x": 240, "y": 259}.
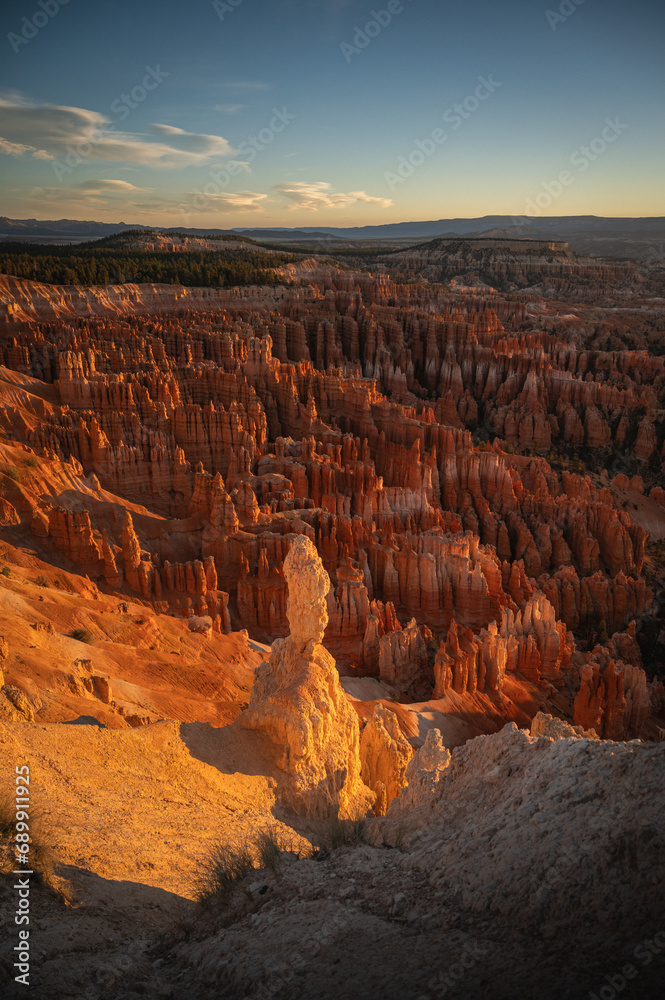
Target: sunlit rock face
{"x": 308, "y": 586}
{"x": 385, "y": 754}
{"x": 298, "y": 702}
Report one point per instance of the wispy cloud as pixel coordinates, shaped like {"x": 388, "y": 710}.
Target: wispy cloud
{"x": 48, "y": 131}
{"x": 102, "y": 196}
{"x": 19, "y": 148}
{"x": 239, "y": 201}
{"x": 195, "y": 142}
{"x": 319, "y": 194}
{"x": 107, "y": 185}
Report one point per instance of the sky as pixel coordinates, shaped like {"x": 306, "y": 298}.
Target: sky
{"x": 259, "y": 113}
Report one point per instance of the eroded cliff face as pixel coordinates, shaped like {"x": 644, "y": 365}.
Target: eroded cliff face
{"x": 410, "y": 433}
{"x": 504, "y": 262}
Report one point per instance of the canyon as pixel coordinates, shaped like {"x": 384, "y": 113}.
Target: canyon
{"x": 367, "y": 545}
{"x": 457, "y": 460}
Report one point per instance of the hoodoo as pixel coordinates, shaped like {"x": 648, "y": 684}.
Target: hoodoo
{"x": 298, "y": 701}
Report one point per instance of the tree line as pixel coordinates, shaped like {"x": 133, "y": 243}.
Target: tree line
{"x": 81, "y": 266}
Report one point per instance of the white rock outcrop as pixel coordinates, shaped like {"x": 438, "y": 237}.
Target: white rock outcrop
{"x": 298, "y": 702}
{"x": 423, "y": 774}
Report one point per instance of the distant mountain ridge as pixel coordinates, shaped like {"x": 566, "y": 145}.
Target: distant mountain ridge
{"x": 642, "y": 238}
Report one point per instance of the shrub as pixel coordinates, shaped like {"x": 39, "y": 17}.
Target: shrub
{"x": 32, "y": 462}
{"x": 338, "y": 832}
{"x": 41, "y": 855}
{"x": 6, "y": 571}
{"x": 269, "y": 849}
{"x": 41, "y": 581}
{"x": 228, "y": 864}
{"x": 222, "y": 871}
{"x": 271, "y": 844}
{"x": 81, "y": 635}
{"x": 13, "y": 473}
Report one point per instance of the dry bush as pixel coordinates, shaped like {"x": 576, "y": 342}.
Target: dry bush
{"x": 269, "y": 849}
{"x": 222, "y": 871}
{"x": 228, "y": 864}
{"x": 42, "y": 859}
{"x": 81, "y": 635}
{"x": 335, "y": 833}
{"x": 272, "y": 844}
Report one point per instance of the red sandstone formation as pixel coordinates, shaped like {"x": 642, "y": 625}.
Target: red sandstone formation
{"x": 614, "y": 697}
{"x": 355, "y": 411}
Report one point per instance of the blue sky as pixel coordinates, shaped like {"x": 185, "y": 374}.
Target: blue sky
{"x": 278, "y": 112}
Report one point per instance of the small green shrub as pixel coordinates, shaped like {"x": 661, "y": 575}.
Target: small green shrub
{"x": 41, "y": 581}
{"x": 6, "y": 571}
{"x": 81, "y": 635}
{"x": 13, "y": 473}
{"x": 32, "y": 463}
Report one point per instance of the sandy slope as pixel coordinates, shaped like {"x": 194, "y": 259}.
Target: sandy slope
{"x": 138, "y": 804}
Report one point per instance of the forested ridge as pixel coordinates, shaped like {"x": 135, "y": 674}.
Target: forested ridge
{"x": 85, "y": 266}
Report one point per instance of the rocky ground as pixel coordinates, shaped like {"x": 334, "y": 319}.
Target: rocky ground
{"x": 533, "y": 870}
